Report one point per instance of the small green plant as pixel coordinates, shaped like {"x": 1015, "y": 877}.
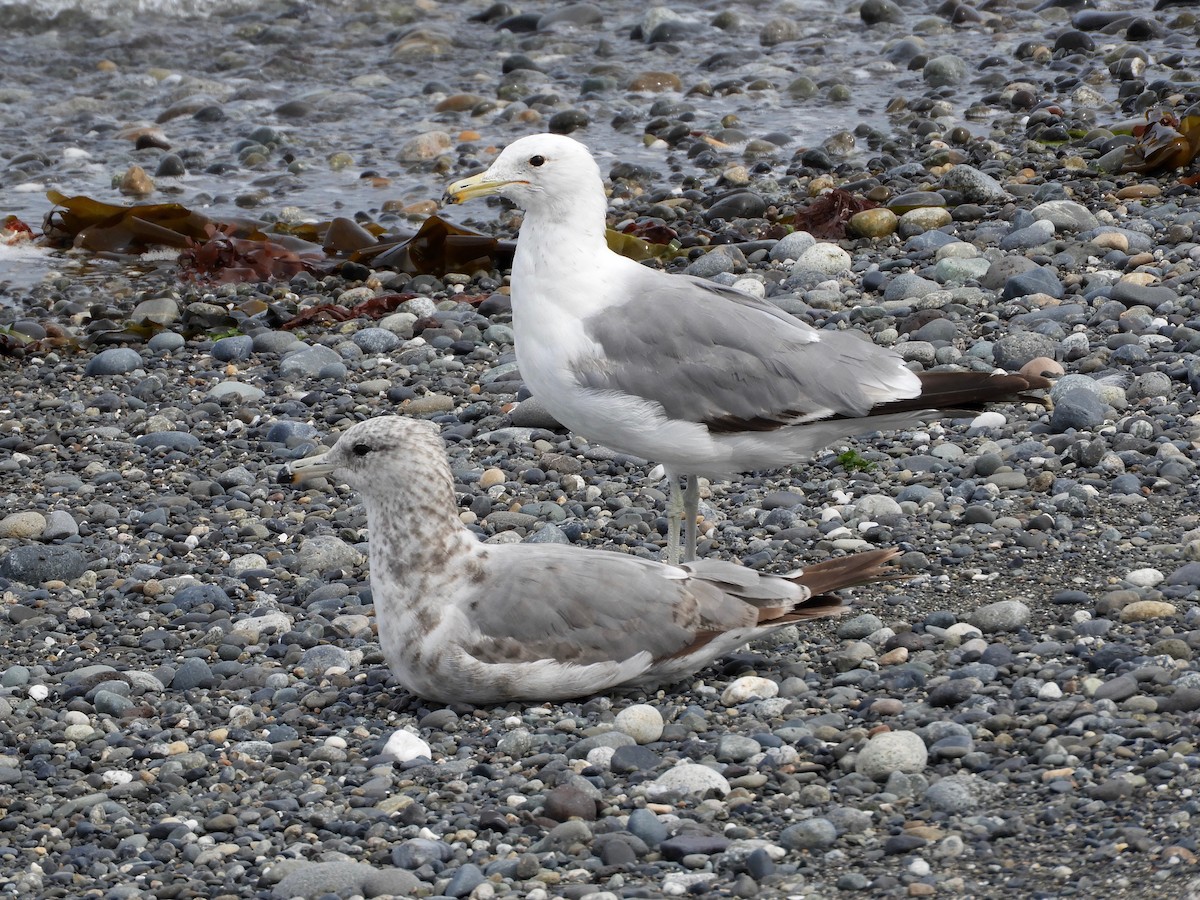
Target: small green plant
{"x": 853, "y": 461}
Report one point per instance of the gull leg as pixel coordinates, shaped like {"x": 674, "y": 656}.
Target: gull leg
{"x": 691, "y": 511}
{"x": 675, "y": 505}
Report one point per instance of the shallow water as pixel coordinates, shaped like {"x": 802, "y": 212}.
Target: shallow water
{"x": 344, "y": 85}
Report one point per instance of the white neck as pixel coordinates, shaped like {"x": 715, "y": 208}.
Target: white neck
{"x": 559, "y": 248}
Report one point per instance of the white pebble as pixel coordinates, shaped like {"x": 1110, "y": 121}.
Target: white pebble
{"x": 751, "y": 286}
{"x": 404, "y": 745}
{"x": 688, "y": 778}
{"x": 38, "y": 692}
{"x": 1050, "y": 691}
{"x": 642, "y": 722}
{"x": 1145, "y": 577}
{"x": 892, "y": 751}
{"x": 989, "y": 419}
{"x": 749, "y": 687}
{"x": 919, "y": 867}
{"x": 117, "y": 776}
{"x": 962, "y": 629}
{"x": 600, "y": 757}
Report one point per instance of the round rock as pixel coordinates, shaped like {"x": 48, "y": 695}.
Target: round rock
{"x": 892, "y": 751}
{"x": 642, "y": 722}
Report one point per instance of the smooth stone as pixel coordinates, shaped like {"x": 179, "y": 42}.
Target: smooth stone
{"x": 687, "y": 779}
{"x": 1078, "y": 408}
{"x": 310, "y": 362}
{"x": 749, "y": 687}
{"x": 23, "y": 525}
{"x": 1039, "y": 280}
{"x": 323, "y": 552}
{"x": 114, "y": 361}
{"x": 60, "y": 525}
{"x": 234, "y": 348}
{"x": 1066, "y": 215}
{"x": 316, "y": 879}
{"x": 193, "y": 673}
{"x": 792, "y": 246}
{"x": 646, "y": 825}
{"x": 1145, "y": 610}
{"x": 892, "y": 751}
{"x": 1044, "y": 366}
{"x": 166, "y": 342}
{"x": 375, "y": 340}
{"x": 246, "y": 393}
{"x": 974, "y": 185}
{"x": 944, "y": 70}
{"x": 810, "y": 834}
{"x": 958, "y": 271}
{"x": 1040, "y": 232}
{"x": 641, "y": 721}
{"x": 1003, "y": 615}
{"x": 955, "y": 794}
{"x": 1013, "y": 351}
{"x": 35, "y": 564}
{"x": 170, "y": 440}
{"x": 873, "y": 223}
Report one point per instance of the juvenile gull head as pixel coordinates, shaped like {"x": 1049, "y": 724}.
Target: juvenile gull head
{"x": 700, "y": 377}
{"x": 461, "y": 621}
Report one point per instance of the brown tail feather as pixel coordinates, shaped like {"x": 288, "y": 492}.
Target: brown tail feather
{"x": 849, "y": 571}
{"x": 968, "y": 391}
{"x": 834, "y": 574}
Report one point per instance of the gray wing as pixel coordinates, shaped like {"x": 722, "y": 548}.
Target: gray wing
{"x": 719, "y": 357}
{"x": 588, "y": 606}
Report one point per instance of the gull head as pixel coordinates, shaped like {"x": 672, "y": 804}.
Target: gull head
{"x": 380, "y": 454}
{"x": 538, "y": 173}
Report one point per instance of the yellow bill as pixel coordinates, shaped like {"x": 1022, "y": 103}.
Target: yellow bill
{"x": 476, "y": 186}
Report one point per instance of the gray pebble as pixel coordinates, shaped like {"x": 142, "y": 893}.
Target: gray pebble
{"x": 234, "y": 348}
{"x": 312, "y": 880}
{"x": 1003, "y": 615}
{"x": 165, "y": 342}
{"x": 1012, "y": 351}
{"x": 114, "y": 361}
{"x": 310, "y": 362}
{"x": 1080, "y": 409}
{"x": 892, "y": 751}
{"x": 60, "y": 525}
{"x": 192, "y": 673}
{"x": 375, "y": 340}
{"x": 792, "y": 246}
{"x": 34, "y": 564}
{"x": 1030, "y": 236}
{"x": 974, "y": 185}
{"x": 323, "y": 552}
{"x": 811, "y": 834}
{"x": 1066, "y": 215}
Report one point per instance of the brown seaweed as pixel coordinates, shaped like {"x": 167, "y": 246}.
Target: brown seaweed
{"x": 245, "y": 250}
{"x": 223, "y": 258}
{"x": 826, "y": 217}
{"x": 438, "y": 247}
{"x": 112, "y": 228}
{"x": 325, "y": 313}
{"x": 1163, "y": 144}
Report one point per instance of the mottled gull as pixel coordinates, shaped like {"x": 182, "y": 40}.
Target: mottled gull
{"x": 464, "y": 621}
{"x": 702, "y": 378}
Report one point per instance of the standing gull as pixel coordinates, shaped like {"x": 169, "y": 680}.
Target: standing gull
{"x": 462, "y": 621}
{"x": 705, "y": 379}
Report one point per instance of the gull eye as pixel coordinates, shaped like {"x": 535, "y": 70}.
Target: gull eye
{"x": 536, "y": 161}
{"x": 360, "y": 449}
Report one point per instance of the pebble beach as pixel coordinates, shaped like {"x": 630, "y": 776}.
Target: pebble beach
{"x": 193, "y": 702}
